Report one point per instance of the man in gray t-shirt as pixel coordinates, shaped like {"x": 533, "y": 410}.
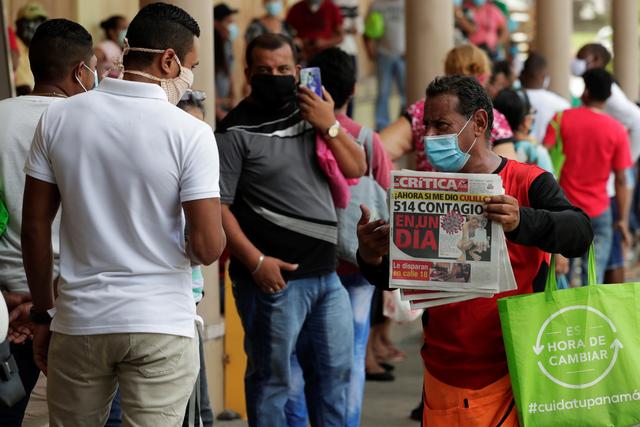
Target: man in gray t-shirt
{"x": 279, "y": 215}
{"x": 58, "y": 50}
{"x": 387, "y": 50}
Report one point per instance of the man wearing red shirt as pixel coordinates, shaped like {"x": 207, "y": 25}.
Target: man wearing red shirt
{"x": 595, "y": 144}
{"x": 318, "y": 25}
{"x": 466, "y": 376}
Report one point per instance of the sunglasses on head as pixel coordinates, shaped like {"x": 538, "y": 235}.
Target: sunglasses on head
{"x": 194, "y": 95}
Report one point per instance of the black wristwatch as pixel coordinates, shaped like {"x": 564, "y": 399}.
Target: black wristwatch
{"x": 39, "y": 317}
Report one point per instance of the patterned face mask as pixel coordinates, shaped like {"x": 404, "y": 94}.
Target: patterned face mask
{"x": 175, "y": 87}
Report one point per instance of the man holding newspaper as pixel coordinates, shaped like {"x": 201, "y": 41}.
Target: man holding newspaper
{"x": 466, "y": 377}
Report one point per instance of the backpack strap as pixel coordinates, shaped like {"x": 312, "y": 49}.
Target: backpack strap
{"x": 365, "y": 138}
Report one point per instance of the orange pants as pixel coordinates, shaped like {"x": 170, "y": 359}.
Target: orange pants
{"x": 448, "y": 406}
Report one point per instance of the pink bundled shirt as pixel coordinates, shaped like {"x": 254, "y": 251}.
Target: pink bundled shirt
{"x": 329, "y": 165}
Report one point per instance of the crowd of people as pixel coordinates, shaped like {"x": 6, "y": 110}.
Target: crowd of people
{"x": 108, "y": 217}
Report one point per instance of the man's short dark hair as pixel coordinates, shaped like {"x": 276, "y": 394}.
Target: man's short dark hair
{"x": 160, "y": 26}
{"x": 269, "y": 41}
{"x": 533, "y": 66}
{"x": 470, "y": 93}
{"x": 338, "y": 74}
{"x": 58, "y": 45}
{"x": 598, "y": 50}
{"x": 598, "y": 81}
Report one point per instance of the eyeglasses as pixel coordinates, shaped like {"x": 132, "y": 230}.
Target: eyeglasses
{"x": 194, "y": 95}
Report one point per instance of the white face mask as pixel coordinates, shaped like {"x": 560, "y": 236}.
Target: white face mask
{"x": 95, "y": 78}
{"x": 175, "y": 87}
{"x": 546, "y": 82}
{"x": 578, "y": 67}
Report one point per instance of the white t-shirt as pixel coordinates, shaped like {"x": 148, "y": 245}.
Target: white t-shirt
{"x": 350, "y": 20}
{"x": 547, "y": 104}
{"x": 393, "y": 41}
{"x": 124, "y": 160}
{"x": 18, "y": 120}
{"x": 626, "y": 112}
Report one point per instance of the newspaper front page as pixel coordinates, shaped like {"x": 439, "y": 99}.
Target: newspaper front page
{"x": 442, "y": 245}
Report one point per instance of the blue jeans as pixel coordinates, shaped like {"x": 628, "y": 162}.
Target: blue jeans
{"x": 296, "y": 408}
{"x": 115, "y": 413}
{"x": 389, "y": 68}
{"x": 603, "y": 236}
{"x": 360, "y": 294}
{"x": 205, "y": 410}
{"x": 311, "y": 317}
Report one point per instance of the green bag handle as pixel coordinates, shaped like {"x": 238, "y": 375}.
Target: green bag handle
{"x": 557, "y": 151}
{"x": 4, "y": 213}
{"x": 552, "y": 283}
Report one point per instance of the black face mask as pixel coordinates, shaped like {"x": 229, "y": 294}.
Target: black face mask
{"x": 273, "y": 91}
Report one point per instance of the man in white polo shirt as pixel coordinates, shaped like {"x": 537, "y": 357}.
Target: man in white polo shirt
{"x": 124, "y": 163}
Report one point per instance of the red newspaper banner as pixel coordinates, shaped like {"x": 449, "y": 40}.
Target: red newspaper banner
{"x": 460, "y": 185}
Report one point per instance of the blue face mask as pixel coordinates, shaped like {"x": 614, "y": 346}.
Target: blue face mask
{"x": 457, "y": 3}
{"x": 479, "y": 2}
{"x": 444, "y": 152}
{"x": 121, "y": 36}
{"x": 233, "y": 31}
{"x": 274, "y": 8}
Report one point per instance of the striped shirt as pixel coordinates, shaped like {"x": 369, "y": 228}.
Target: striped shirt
{"x": 271, "y": 179}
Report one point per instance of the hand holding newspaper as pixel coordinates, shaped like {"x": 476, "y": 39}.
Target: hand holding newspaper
{"x": 443, "y": 248}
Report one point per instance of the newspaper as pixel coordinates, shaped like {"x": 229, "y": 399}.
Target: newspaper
{"x": 443, "y": 249}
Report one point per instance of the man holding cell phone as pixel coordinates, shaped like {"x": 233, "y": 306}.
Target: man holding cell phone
{"x": 281, "y": 225}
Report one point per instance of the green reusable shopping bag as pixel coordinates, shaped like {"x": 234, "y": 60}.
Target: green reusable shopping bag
{"x": 574, "y": 354}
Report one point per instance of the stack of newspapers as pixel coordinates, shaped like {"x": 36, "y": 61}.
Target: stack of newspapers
{"x": 443, "y": 248}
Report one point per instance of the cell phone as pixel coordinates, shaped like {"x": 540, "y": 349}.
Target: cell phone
{"x": 310, "y": 78}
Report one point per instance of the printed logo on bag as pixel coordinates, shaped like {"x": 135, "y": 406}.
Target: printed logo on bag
{"x": 577, "y": 347}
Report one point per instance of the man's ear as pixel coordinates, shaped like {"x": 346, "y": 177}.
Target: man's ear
{"x": 78, "y": 71}
{"x": 167, "y": 59}
{"x": 480, "y": 122}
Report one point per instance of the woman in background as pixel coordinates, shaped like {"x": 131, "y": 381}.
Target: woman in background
{"x": 109, "y": 50}
{"x": 406, "y": 135}
{"x": 270, "y": 22}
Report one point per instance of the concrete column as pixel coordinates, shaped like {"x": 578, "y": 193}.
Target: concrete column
{"x": 624, "y": 18}
{"x": 90, "y": 14}
{"x": 554, "y": 24}
{"x": 209, "y": 307}
{"x": 429, "y": 32}
{"x": 6, "y": 73}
